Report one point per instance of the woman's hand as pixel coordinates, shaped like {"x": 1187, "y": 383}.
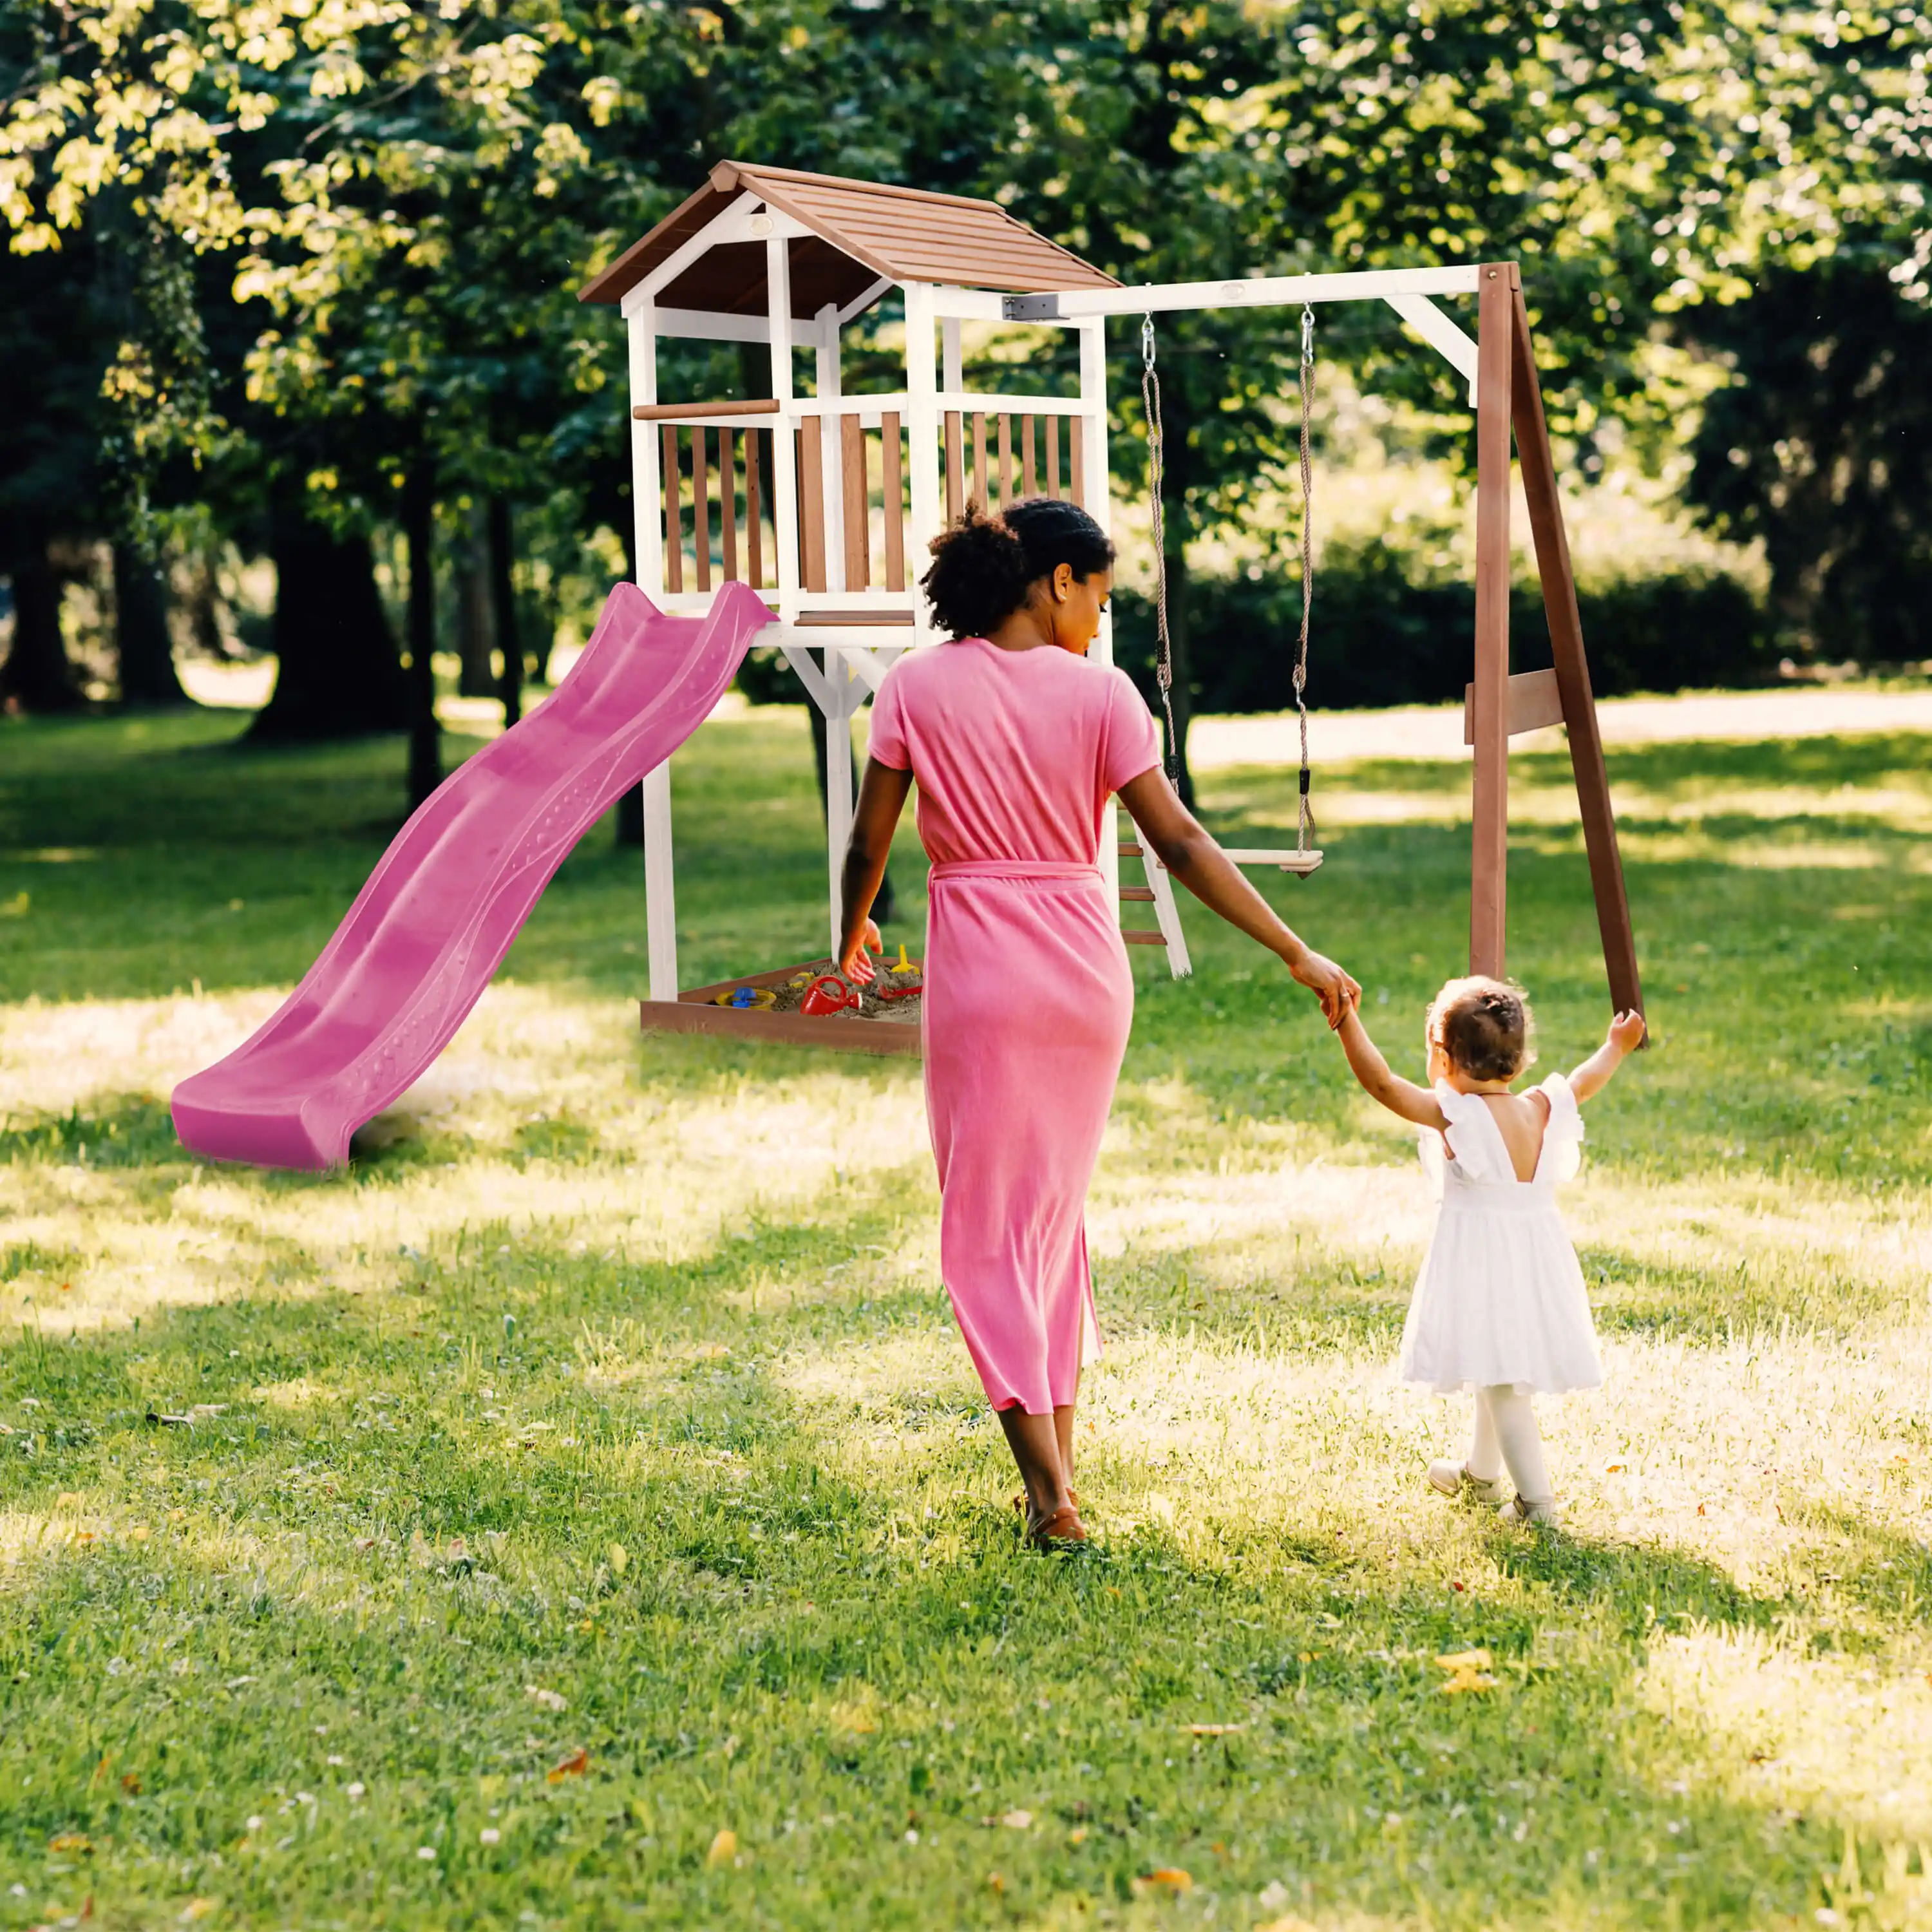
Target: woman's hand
{"x": 855, "y": 966}
{"x": 1336, "y": 990}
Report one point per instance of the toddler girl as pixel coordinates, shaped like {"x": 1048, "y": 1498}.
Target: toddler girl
{"x": 1499, "y": 1307}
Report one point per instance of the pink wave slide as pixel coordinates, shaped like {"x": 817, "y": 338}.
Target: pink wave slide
{"x": 417, "y": 947}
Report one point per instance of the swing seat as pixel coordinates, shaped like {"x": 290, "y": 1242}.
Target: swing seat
{"x": 1300, "y": 863}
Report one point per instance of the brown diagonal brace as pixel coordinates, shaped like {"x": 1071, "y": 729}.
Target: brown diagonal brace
{"x": 1573, "y": 671}
{"x": 1489, "y": 790}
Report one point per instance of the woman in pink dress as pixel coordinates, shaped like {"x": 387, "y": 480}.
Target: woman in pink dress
{"x": 1016, "y": 742}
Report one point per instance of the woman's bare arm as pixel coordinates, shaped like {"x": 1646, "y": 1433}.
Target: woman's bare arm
{"x": 882, "y": 797}
{"x": 1400, "y": 1097}
{"x": 1189, "y": 851}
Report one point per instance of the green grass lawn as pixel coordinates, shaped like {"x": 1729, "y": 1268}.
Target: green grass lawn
{"x": 584, "y": 1513}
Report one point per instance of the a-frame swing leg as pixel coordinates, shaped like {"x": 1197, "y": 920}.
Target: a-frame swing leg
{"x": 1573, "y": 669}
{"x": 1488, "y": 858}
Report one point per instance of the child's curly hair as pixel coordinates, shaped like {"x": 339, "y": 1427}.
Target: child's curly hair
{"x": 1484, "y": 1026}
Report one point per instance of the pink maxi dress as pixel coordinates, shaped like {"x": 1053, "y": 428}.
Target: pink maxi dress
{"x": 1028, "y": 995}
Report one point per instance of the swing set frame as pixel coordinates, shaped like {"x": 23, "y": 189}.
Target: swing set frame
{"x": 1501, "y": 366}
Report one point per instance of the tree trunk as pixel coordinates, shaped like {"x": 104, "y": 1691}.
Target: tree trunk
{"x": 37, "y": 675}
{"x": 475, "y": 629}
{"x": 337, "y": 672}
{"x": 425, "y": 739}
{"x": 146, "y": 650}
{"x": 503, "y": 606}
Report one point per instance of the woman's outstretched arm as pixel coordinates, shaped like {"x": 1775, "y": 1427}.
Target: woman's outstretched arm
{"x": 882, "y": 797}
{"x": 1188, "y": 850}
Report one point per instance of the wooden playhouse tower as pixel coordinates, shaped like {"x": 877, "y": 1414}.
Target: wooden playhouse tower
{"x": 824, "y": 502}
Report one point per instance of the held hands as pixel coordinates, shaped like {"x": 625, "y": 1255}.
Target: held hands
{"x": 855, "y": 966}
{"x": 1626, "y": 1033}
{"x": 1337, "y": 991}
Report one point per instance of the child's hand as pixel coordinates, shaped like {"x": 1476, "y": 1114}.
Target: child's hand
{"x": 1626, "y": 1033}
{"x": 855, "y": 966}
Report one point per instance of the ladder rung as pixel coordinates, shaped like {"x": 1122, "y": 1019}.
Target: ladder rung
{"x": 1130, "y": 851}
{"x": 1144, "y": 938}
{"x": 1144, "y": 893}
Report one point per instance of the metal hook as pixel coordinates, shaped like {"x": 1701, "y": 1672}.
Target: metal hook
{"x": 1307, "y": 334}
{"x": 1147, "y": 341}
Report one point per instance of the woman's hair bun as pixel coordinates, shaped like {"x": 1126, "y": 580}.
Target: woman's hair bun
{"x": 984, "y": 568}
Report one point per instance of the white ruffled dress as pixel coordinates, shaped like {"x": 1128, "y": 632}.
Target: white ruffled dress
{"x": 1501, "y": 1296}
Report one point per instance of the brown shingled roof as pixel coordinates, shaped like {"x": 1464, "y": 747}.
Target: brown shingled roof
{"x": 861, "y": 232}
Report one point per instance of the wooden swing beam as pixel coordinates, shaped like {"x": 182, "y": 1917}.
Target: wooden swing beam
{"x": 1501, "y": 364}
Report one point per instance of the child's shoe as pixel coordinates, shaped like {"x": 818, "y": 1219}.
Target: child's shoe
{"x": 1535, "y": 1516}
{"x": 1452, "y": 1479}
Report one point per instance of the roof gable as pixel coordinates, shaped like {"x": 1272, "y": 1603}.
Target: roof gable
{"x": 861, "y": 232}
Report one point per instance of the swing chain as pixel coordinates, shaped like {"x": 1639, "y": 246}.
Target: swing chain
{"x": 1163, "y": 661}
{"x": 1306, "y": 820}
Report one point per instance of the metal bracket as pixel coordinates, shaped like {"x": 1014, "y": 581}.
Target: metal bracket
{"x": 1030, "y": 308}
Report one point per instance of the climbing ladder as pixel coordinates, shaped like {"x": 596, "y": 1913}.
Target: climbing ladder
{"x": 1159, "y": 893}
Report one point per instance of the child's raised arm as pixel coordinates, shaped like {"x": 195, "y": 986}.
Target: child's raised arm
{"x": 1400, "y": 1097}
{"x": 1625, "y": 1035}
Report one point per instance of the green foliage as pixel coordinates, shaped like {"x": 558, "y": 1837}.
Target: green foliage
{"x": 1820, "y": 447}
{"x": 1388, "y": 630}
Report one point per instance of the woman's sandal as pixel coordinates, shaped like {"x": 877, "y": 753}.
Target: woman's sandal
{"x": 1062, "y": 1529}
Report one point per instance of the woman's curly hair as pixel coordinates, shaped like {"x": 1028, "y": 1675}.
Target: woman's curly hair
{"x": 984, "y": 569}
{"x": 1484, "y": 1026}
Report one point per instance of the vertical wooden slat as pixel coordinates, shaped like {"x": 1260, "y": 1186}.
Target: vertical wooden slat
{"x": 728, "y": 498}
{"x": 1005, "y": 459}
{"x": 674, "y": 518}
{"x": 700, "y": 507}
{"x": 1053, "y": 456}
{"x": 892, "y": 485}
{"x": 811, "y": 504}
{"x": 858, "y": 508}
{"x": 1076, "y": 453}
{"x": 980, "y": 494}
{"x": 1489, "y": 872}
{"x": 754, "y": 537}
{"x": 1573, "y": 667}
{"x": 955, "y": 466}
{"x": 1029, "y": 477}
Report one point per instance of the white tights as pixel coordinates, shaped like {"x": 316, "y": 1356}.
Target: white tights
{"x": 1507, "y": 1434}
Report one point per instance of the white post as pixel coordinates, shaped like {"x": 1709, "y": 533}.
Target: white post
{"x": 646, "y": 478}
{"x": 832, "y": 447}
{"x": 646, "y": 494}
{"x": 954, "y": 378}
{"x": 921, "y": 440}
{"x": 660, "y": 898}
{"x": 1094, "y": 486}
{"x": 785, "y": 457}
{"x": 844, "y": 689}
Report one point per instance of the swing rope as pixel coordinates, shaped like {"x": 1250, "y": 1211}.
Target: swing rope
{"x": 1163, "y": 656}
{"x": 1163, "y": 662}
{"x": 1305, "y": 825}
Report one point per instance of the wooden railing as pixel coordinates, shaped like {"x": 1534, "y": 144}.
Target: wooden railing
{"x": 719, "y": 522}
{"x": 1039, "y": 452}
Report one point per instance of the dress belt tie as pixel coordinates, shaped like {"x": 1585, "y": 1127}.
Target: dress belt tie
{"x": 1015, "y": 868}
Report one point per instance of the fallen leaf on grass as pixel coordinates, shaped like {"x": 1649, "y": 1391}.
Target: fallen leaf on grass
{"x": 1168, "y": 1878}
{"x": 1215, "y": 1730}
{"x": 550, "y": 1700}
{"x": 70, "y": 1841}
{"x": 723, "y": 1850}
{"x": 1469, "y": 1670}
{"x": 130, "y": 1784}
{"x": 1078, "y": 1836}
{"x": 995, "y": 1883}
{"x": 196, "y": 1908}
{"x": 1017, "y": 1821}
{"x": 619, "y": 1558}
{"x": 574, "y": 1765}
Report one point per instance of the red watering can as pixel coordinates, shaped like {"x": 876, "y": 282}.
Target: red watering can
{"x": 827, "y": 994}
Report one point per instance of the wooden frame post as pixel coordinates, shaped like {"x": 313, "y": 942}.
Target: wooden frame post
{"x": 831, "y": 446}
{"x": 785, "y": 456}
{"x": 646, "y": 478}
{"x": 1489, "y": 872}
{"x": 1573, "y": 669}
{"x": 1091, "y": 454}
{"x": 921, "y": 440}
